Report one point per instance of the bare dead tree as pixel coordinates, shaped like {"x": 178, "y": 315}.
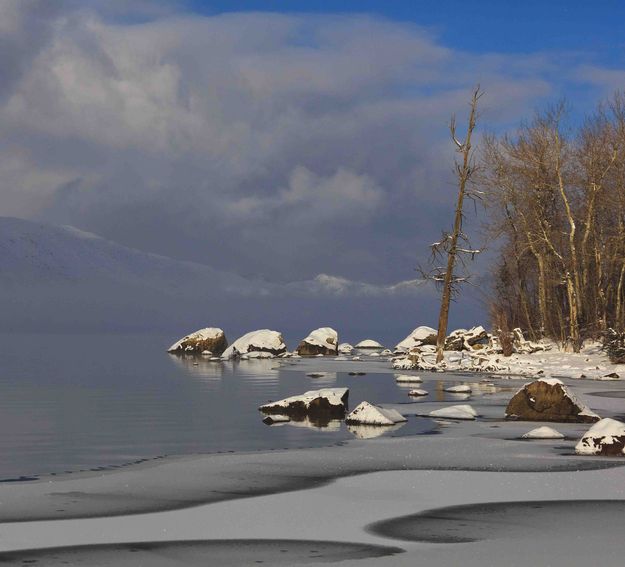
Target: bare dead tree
{"x": 454, "y": 246}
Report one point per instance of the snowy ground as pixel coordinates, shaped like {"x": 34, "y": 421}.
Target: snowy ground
{"x": 383, "y": 501}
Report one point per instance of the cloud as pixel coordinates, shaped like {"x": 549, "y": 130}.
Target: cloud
{"x": 271, "y": 145}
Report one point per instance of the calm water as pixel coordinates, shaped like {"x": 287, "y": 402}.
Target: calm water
{"x": 70, "y": 403}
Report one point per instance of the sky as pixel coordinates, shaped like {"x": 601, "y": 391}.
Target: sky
{"x": 276, "y": 140}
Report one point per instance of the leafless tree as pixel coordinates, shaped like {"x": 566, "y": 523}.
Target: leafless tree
{"x": 454, "y": 246}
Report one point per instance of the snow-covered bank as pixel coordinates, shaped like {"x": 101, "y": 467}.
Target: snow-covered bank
{"x": 502, "y": 518}
{"x": 590, "y": 364}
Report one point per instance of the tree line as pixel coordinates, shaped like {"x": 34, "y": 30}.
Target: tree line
{"x": 555, "y": 198}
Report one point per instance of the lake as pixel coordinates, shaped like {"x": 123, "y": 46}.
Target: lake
{"x": 78, "y": 402}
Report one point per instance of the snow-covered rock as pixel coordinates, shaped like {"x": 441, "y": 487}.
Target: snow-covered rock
{"x": 606, "y": 437}
{"x": 327, "y": 402}
{"x": 548, "y": 399}
{"x": 403, "y": 378}
{"x": 418, "y": 392}
{"x": 455, "y": 412}
{"x": 543, "y": 432}
{"x": 386, "y": 352}
{"x": 523, "y": 346}
{"x": 420, "y": 336}
{"x": 323, "y": 341}
{"x": 345, "y": 348}
{"x": 368, "y": 414}
{"x": 463, "y": 339}
{"x": 369, "y": 343}
{"x": 263, "y": 340}
{"x": 459, "y": 389}
{"x": 208, "y": 341}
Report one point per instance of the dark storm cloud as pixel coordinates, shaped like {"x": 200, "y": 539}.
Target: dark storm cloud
{"x": 265, "y": 144}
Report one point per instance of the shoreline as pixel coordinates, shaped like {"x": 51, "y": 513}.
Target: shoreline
{"x": 175, "y": 483}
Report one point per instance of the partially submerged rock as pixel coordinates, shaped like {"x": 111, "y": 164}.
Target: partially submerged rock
{"x": 543, "y": 432}
{"x": 316, "y": 374}
{"x": 606, "y": 437}
{"x": 369, "y": 414}
{"x": 455, "y": 412}
{"x": 418, "y": 392}
{"x": 548, "y": 399}
{"x": 262, "y": 340}
{"x": 323, "y": 341}
{"x": 345, "y": 348}
{"x": 369, "y": 343}
{"x": 277, "y": 418}
{"x": 420, "y": 336}
{"x": 408, "y": 378}
{"x": 210, "y": 340}
{"x": 459, "y": 389}
{"x": 325, "y": 403}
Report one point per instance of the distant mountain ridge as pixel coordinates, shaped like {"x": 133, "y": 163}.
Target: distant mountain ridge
{"x": 62, "y": 278}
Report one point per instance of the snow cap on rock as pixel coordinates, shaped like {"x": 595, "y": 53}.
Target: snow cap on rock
{"x": 369, "y": 414}
{"x": 369, "y": 343}
{"x": 543, "y": 432}
{"x": 606, "y": 437}
{"x": 421, "y": 335}
{"x": 324, "y": 340}
{"x": 464, "y": 411}
{"x": 262, "y": 340}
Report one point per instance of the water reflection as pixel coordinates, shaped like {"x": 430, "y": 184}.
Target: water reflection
{"x": 198, "y": 366}
{"x": 372, "y": 431}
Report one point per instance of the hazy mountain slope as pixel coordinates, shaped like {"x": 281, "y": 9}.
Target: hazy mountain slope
{"x": 32, "y": 253}
{"x": 61, "y": 279}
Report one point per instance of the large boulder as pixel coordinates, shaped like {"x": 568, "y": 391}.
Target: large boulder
{"x": 263, "y": 340}
{"x": 368, "y": 414}
{"x": 420, "y": 336}
{"x": 606, "y": 437}
{"x": 328, "y": 403}
{"x": 210, "y": 339}
{"x": 548, "y": 399}
{"x": 463, "y": 339}
{"x": 321, "y": 341}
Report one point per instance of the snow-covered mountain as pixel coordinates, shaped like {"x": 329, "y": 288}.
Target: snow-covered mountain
{"x": 61, "y": 278}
